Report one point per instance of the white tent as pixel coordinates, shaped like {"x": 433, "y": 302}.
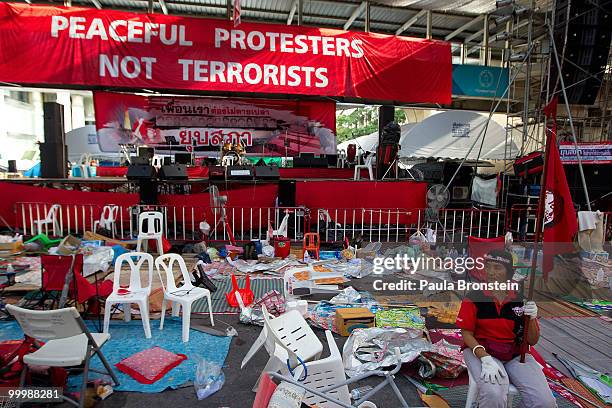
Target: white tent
{"x": 369, "y": 143}
{"x": 450, "y": 134}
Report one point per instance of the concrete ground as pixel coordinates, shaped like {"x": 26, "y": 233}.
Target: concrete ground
{"x": 236, "y": 392}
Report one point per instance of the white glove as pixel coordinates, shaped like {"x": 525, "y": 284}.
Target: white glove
{"x": 530, "y": 309}
{"x": 491, "y": 371}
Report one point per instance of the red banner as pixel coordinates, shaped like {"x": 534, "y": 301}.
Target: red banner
{"x": 89, "y": 47}
{"x": 263, "y": 127}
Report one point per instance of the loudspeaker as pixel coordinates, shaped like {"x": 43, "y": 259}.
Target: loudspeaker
{"x": 173, "y": 172}
{"x": 386, "y": 115}
{"x": 53, "y": 160}
{"x": 183, "y": 158}
{"x": 267, "y": 173}
{"x": 582, "y": 37}
{"x": 167, "y": 160}
{"x": 53, "y": 114}
{"x": 146, "y": 152}
{"x": 140, "y": 172}
{"x": 286, "y": 193}
{"x": 12, "y": 166}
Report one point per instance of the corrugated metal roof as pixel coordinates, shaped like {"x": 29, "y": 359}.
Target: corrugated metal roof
{"x": 386, "y": 16}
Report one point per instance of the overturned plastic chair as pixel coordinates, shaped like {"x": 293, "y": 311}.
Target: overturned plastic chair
{"x": 288, "y": 339}
{"x": 328, "y": 389}
{"x": 68, "y": 343}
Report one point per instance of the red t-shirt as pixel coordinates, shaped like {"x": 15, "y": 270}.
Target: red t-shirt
{"x": 488, "y": 319}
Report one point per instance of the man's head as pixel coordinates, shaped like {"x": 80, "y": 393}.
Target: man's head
{"x": 498, "y": 265}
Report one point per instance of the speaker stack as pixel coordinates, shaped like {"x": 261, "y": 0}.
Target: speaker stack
{"x": 582, "y": 37}
{"x": 53, "y": 152}
{"x": 389, "y": 134}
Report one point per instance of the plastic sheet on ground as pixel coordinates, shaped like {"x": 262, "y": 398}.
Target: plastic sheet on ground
{"x": 374, "y": 348}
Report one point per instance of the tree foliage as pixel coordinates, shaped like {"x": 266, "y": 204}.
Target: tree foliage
{"x": 361, "y": 121}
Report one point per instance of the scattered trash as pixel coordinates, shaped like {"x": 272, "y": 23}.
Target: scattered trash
{"x": 358, "y": 393}
{"x": 208, "y": 379}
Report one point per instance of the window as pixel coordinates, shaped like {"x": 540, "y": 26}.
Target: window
{"x": 21, "y": 96}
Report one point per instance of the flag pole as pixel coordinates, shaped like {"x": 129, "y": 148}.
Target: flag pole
{"x": 536, "y": 240}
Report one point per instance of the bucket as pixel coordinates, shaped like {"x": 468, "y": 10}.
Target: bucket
{"x": 282, "y": 247}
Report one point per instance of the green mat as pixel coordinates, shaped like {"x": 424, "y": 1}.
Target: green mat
{"x": 219, "y": 303}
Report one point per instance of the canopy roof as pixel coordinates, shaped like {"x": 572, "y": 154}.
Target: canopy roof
{"x": 450, "y": 134}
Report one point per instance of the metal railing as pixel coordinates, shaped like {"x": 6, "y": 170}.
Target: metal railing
{"x": 182, "y": 222}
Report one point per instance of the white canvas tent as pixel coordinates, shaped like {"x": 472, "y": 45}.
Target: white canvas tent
{"x": 450, "y": 134}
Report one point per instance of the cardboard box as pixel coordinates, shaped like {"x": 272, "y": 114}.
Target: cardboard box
{"x": 68, "y": 246}
{"x": 351, "y": 318}
{"x": 11, "y": 247}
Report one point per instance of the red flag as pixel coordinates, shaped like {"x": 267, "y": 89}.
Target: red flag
{"x": 237, "y": 11}
{"x": 560, "y": 225}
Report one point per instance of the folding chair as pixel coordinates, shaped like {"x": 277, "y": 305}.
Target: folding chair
{"x": 68, "y": 343}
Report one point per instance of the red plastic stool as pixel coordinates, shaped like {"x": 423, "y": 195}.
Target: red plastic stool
{"x": 246, "y": 294}
{"x": 312, "y": 243}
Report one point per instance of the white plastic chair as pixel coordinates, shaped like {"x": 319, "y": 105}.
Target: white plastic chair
{"x": 367, "y": 165}
{"x": 288, "y": 339}
{"x": 157, "y": 161}
{"x": 341, "y": 161}
{"x": 154, "y": 221}
{"x": 108, "y": 219}
{"x": 136, "y": 292}
{"x": 50, "y": 218}
{"x": 68, "y": 343}
{"x": 228, "y": 160}
{"x": 180, "y": 297}
{"x": 325, "y": 373}
{"x": 472, "y": 395}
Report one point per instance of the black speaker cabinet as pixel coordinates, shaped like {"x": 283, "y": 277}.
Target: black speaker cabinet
{"x": 53, "y": 160}
{"x": 12, "y": 166}
{"x": 386, "y": 114}
{"x": 141, "y": 172}
{"x": 267, "y": 173}
{"x": 53, "y": 114}
{"x": 286, "y": 193}
{"x": 173, "y": 172}
{"x": 183, "y": 158}
{"x": 582, "y": 37}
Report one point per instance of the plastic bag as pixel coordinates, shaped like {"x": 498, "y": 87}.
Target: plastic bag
{"x": 208, "y": 379}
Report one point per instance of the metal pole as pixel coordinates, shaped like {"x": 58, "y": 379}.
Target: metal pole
{"x": 429, "y": 24}
{"x": 485, "y": 50}
{"x": 569, "y": 114}
{"x": 367, "y": 17}
{"x": 527, "y": 84}
{"x": 484, "y": 129}
{"x": 299, "y": 12}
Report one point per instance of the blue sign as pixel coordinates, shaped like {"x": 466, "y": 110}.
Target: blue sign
{"x": 479, "y": 81}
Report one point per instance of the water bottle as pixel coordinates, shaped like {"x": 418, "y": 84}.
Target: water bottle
{"x": 306, "y": 257}
{"x": 358, "y": 393}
